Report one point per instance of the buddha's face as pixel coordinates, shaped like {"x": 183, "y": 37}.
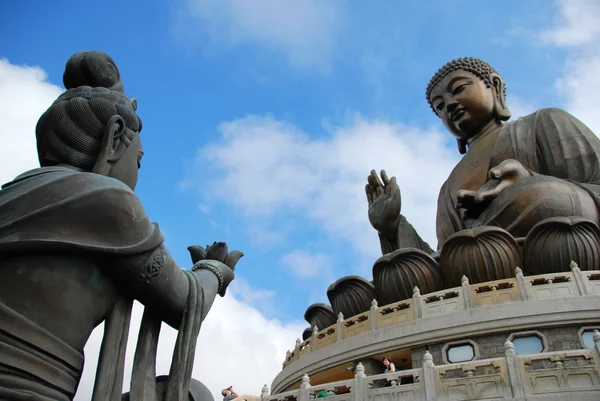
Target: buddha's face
{"x": 126, "y": 168}
{"x": 464, "y": 103}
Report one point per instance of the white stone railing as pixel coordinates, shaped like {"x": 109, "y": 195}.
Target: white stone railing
{"x": 468, "y": 296}
{"x": 573, "y": 374}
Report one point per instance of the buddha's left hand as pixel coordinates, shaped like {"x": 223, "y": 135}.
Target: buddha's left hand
{"x": 502, "y": 176}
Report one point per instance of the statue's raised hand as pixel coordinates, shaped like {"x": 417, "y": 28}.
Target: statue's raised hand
{"x": 384, "y": 203}
{"x": 217, "y": 259}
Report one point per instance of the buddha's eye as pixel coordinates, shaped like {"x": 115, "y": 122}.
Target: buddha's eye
{"x": 459, "y": 89}
{"x": 439, "y": 106}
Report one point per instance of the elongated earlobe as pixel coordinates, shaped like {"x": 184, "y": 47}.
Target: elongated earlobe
{"x": 500, "y": 108}
{"x": 462, "y": 146}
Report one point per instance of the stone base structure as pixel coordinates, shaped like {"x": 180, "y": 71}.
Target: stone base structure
{"x": 522, "y": 338}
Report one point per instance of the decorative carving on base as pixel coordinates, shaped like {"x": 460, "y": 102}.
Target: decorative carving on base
{"x": 397, "y": 273}
{"x": 320, "y": 315}
{"x": 482, "y": 254}
{"x": 553, "y": 243}
{"x": 351, "y": 295}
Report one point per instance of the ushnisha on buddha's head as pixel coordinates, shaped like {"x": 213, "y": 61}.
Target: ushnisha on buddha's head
{"x": 93, "y": 126}
{"x": 469, "y": 96}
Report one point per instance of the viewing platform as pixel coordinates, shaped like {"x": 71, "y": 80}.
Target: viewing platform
{"x": 557, "y": 310}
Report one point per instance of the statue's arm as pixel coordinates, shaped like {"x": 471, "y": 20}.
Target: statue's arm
{"x": 406, "y": 237}
{"x": 155, "y": 280}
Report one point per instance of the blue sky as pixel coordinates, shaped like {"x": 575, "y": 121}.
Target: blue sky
{"x": 263, "y": 118}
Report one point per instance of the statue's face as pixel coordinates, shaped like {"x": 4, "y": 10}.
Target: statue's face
{"x": 464, "y": 103}
{"x": 126, "y": 168}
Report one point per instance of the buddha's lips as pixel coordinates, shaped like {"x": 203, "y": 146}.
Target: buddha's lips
{"x": 457, "y": 114}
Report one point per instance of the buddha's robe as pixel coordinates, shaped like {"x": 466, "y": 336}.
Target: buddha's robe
{"x": 56, "y": 210}
{"x": 563, "y": 157}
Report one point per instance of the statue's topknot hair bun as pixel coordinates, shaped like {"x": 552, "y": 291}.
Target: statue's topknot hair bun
{"x": 94, "y": 69}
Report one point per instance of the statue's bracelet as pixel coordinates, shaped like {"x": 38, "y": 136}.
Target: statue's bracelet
{"x": 213, "y": 266}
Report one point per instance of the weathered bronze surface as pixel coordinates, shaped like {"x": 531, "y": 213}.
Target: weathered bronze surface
{"x": 397, "y": 273}
{"x": 351, "y": 295}
{"x": 514, "y": 175}
{"x": 320, "y": 315}
{"x": 76, "y": 248}
{"x": 482, "y": 254}
{"x": 555, "y": 242}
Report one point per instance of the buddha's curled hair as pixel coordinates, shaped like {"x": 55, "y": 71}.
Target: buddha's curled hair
{"x": 473, "y": 65}
{"x": 71, "y": 130}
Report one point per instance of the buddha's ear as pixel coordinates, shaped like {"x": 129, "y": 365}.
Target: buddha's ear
{"x": 462, "y": 146}
{"x": 113, "y": 145}
{"x": 500, "y": 107}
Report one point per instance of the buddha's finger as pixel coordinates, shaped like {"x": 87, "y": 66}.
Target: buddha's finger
{"x": 384, "y": 178}
{"x": 376, "y": 183}
{"x": 369, "y": 194}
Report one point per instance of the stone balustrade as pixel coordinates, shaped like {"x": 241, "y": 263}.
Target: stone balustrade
{"x": 573, "y": 374}
{"x": 518, "y": 289}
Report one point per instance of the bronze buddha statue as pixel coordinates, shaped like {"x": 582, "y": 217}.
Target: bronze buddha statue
{"x": 542, "y": 170}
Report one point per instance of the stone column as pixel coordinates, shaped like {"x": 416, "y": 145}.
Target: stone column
{"x": 264, "y": 394}
{"x": 514, "y": 373}
{"x": 360, "y": 388}
{"x": 304, "y": 389}
{"x": 373, "y": 315}
{"x": 416, "y": 301}
{"x": 466, "y": 292}
{"x": 339, "y": 327}
{"x": 429, "y": 382}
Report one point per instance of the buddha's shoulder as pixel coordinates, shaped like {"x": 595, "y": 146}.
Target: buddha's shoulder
{"x": 547, "y": 112}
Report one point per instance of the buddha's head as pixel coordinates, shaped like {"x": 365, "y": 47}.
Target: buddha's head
{"x": 467, "y": 94}
{"x": 93, "y": 126}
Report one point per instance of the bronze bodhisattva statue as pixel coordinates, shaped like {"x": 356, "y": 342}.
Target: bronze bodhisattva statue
{"x": 76, "y": 248}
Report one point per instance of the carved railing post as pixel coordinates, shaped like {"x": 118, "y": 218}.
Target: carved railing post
{"x": 360, "y": 389}
{"x": 339, "y": 326}
{"x": 313, "y": 338}
{"x": 429, "y": 377}
{"x": 373, "y": 315}
{"x": 297, "y": 349}
{"x": 416, "y": 300}
{"x": 304, "y": 389}
{"x": 596, "y": 337}
{"x": 581, "y": 279}
{"x": 514, "y": 373}
{"x": 264, "y": 394}
{"x": 524, "y": 290}
{"x": 466, "y": 292}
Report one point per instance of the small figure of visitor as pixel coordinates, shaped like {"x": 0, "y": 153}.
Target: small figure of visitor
{"x": 389, "y": 365}
{"x": 229, "y": 394}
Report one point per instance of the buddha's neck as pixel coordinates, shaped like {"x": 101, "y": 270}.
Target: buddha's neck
{"x": 492, "y": 127}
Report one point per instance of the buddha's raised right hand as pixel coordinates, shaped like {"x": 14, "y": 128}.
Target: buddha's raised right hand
{"x": 218, "y": 260}
{"x": 384, "y": 204}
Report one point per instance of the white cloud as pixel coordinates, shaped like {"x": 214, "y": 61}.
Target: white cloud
{"x": 231, "y": 347}
{"x": 303, "y": 30}
{"x": 272, "y": 167}
{"x": 577, "y": 29}
{"x": 304, "y": 264}
{"x": 25, "y": 94}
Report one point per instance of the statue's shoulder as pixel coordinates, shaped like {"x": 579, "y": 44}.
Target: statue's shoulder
{"x": 64, "y": 186}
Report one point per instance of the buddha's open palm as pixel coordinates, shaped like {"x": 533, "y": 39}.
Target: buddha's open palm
{"x": 384, "y": 203}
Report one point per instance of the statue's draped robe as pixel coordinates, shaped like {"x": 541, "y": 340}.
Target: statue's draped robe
{"x": 58, "y": 209}
{"x": 551, "y": 144}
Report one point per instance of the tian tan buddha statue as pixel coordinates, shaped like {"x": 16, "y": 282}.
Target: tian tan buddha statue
{"x": 76, "y": 248}
{"x": 526, "y": 192}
